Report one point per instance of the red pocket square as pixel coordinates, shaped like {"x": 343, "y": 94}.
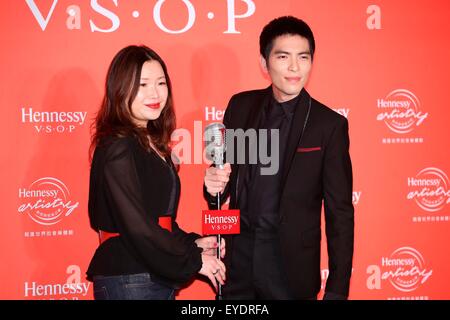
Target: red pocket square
{"x": 309, "y": 149}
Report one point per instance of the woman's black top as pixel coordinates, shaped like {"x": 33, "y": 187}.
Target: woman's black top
{"x": 129, "y": 189}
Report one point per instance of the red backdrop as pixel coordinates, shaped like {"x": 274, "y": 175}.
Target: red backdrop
{"x": 383, "y": 64}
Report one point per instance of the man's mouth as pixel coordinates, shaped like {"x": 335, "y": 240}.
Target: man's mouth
{"x": 293, "y": 79}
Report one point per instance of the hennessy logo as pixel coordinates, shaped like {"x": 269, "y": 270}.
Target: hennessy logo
{"x": 73, "y": 21}
{"x": 221, "y": 222}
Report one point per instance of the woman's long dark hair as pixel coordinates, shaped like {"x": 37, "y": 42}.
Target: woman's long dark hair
{"x": 122, "y": 85}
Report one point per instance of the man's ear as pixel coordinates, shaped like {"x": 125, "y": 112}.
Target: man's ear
{"x": 264, "y": 64}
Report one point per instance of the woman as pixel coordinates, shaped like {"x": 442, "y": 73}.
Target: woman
{"x": 134, "y": 189}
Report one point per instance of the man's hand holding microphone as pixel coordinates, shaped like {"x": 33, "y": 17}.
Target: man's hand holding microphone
{"x": 216, "y": 179}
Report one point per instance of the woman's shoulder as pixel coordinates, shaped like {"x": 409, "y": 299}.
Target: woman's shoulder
{"x": 114, "y": 147}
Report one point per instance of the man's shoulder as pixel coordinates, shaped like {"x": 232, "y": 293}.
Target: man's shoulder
{"x": 326, "y": 113}
{"x": 244, "y": 101}
{"x": 248, "y": 96}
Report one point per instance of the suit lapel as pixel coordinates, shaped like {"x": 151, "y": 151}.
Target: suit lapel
{"x": 295, "y": 133}
{"x": 253, "y": 122}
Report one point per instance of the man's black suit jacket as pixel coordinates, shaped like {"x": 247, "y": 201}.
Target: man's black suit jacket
{"x": 317, "y": 167}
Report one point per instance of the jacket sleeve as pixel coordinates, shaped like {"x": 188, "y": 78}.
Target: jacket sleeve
{"x": 155, "y": 247}
{"x": 182, "y": 235}
{"x": 339, "y": 212}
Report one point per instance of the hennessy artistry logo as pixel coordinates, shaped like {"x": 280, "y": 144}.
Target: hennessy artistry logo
{"x": 405, "y": 269}
{"x": 401, "y": 111}
{"x": 46, "y": 201}
{"x": 429, "y": 189}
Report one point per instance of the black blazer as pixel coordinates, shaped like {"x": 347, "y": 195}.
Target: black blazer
{"x": 129, "y": 189}
{"x": 317, "y": 167}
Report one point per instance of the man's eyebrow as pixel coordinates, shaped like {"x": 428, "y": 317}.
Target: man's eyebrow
{"x": 280, "y": 52}
{"x": 285, "y": 52}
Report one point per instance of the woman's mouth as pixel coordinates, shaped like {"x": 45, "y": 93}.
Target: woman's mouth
{"x": 153, "y": 106}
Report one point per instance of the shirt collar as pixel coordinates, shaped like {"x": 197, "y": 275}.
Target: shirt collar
{"x": 288, "y": 107}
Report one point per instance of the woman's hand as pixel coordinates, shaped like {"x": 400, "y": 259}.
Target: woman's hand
{"x": 209, "y": 245}
{"x": 214, "y": 269}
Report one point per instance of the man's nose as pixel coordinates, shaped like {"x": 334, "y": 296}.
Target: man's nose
{"x": 293, "y": 64}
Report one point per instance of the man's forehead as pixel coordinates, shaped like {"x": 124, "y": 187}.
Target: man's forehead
{"x": 290, "y": 42}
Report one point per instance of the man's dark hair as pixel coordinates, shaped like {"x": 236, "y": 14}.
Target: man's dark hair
{"x": 287, "y": 25}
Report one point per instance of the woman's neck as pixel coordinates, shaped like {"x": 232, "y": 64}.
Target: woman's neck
{"x": 156, "y": 149}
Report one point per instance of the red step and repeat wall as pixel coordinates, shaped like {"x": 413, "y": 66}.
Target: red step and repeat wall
{"x": 382, "y": 64}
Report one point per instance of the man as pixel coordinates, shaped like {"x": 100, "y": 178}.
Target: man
{"x": 277, "y": 253}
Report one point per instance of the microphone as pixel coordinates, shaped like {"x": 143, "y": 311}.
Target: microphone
{"x": 215, "y": 146}
{"x": 215, "y": 143}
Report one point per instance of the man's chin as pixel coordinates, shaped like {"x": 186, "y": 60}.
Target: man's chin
{"x": 293, "y": 93}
